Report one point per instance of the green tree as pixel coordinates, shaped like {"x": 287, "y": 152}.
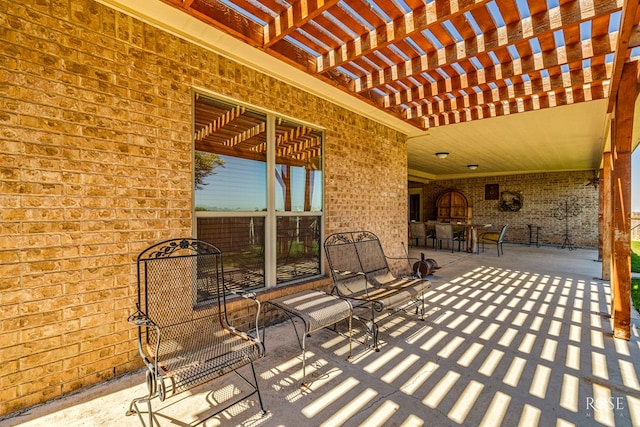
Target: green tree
{"x": 205, "y": 163}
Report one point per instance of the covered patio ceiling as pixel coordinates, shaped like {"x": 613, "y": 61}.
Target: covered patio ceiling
{"x": 514, "y": 86}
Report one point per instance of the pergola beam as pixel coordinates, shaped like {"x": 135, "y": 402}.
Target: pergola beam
{"x": 527, "y": 103}
{"x": 629, "y": 11}
{"x": 540, "y": 86}
{"x": 535, "y": 83}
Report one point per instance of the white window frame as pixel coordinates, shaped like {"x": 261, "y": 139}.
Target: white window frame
{"x": 271, "y": 213}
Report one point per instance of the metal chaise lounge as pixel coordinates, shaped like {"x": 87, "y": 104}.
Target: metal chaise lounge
{"x": 362, "y": 275}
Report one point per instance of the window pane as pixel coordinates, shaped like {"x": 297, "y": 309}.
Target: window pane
{"x": 241, "y": 241}
{"x": 298, "y": 167}
{"x": 298, "y": 247}
{"x": 231, "y": 169}
{"x": 207, "y": 277}
{"x": 230, "y": 157}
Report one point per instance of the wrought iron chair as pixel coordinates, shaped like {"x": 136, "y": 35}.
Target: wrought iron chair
{"x": 184, "y": 334}
{"x": 494, "y": 237}
{"x": 431, "y": 231}
{"x": 362, "y": 275}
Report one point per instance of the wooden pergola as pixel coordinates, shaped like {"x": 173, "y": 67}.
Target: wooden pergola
{"x": 431, "y": 63}
{"x": 437, "y": 62}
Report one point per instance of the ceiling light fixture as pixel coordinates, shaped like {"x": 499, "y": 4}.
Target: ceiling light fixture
{"x": 472, "y": 167}
{"x": 442, "y": 155}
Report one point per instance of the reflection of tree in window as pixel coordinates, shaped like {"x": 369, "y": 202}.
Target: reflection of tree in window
{"x": 205, "y": 163}
{"x": 298, "y": 175}
{"x": 299, "y": 164}
{"x": 234, "y": 137}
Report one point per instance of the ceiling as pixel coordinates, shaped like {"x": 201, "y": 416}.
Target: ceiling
{"x": 510, "y": 85}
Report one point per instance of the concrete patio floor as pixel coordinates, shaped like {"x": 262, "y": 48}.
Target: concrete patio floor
{"x": 518, "y": 340}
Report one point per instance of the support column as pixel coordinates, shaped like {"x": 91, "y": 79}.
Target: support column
{"x": 600, "y": 213}
{"x": 606, "y": 215}
{"x": 621, "y": 177}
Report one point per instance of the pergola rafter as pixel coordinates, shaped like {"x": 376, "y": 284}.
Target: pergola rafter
{"x": 529, "y": 103}
{"x": 293, "y": 17}
{"x": 579, "y": 50}
{"x": 537, "y": 85}
{"x": 437, "y": 62}
{"x": 527, "y": 83}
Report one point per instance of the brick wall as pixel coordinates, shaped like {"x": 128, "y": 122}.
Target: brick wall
{"x": 542, "y": 194}
{"x": 96, "y": 164}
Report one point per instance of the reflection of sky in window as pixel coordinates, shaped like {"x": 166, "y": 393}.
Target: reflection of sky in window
{"x": 240, "y": 185}
{"x": 297, "y": 183}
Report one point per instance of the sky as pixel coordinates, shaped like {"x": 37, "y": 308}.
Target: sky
{"x": 241, "y": 185}
{"x": 635, "y": 180}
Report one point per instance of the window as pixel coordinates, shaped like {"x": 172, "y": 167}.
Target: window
{"x": 258, "y": 192}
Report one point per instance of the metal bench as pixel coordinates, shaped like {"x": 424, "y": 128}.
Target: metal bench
{"x": 361, "y": 274}
{"x": 184, "y": 335}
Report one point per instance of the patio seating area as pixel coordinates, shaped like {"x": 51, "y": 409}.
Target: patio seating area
{"x": 520, "y": 339}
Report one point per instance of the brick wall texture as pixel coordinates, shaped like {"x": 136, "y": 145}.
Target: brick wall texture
{"x": 543, "y": 195}
{"x": 96, "y": 164}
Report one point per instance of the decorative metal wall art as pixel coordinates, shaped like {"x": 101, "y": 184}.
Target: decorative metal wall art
{"x": 510, "y": 201}
{"x": 594, "y": 181}
{"x": 565, "y": 210}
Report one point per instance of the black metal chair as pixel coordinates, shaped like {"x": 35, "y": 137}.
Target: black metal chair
{"x": 431, "y": 231}
{"x": 494, "y": 237}
{"x": 184, "y": 335}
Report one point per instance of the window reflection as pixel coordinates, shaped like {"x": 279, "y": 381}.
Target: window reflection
{"x": 241, "y": 241}
{"x": 230, "y": 158}
{"x": 298, "y": 249}
{"x": 234, "y": 151}
{"x": 298, "y": 168}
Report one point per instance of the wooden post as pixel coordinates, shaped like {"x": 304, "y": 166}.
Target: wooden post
{"x": 621, "y": 176}
{"x": 607, "y": 215}
{"x": 600, "y": 215}
{"x": 601, "y": 196}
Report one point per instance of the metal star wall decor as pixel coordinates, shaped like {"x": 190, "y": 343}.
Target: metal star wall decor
{"x": 594, "y": 181}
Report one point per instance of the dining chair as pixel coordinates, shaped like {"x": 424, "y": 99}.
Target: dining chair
{"x": 494, "y": 237}
{"x": 444, "y": 233}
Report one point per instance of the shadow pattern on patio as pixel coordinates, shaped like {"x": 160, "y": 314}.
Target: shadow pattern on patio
{"x": 498, "y": 347}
